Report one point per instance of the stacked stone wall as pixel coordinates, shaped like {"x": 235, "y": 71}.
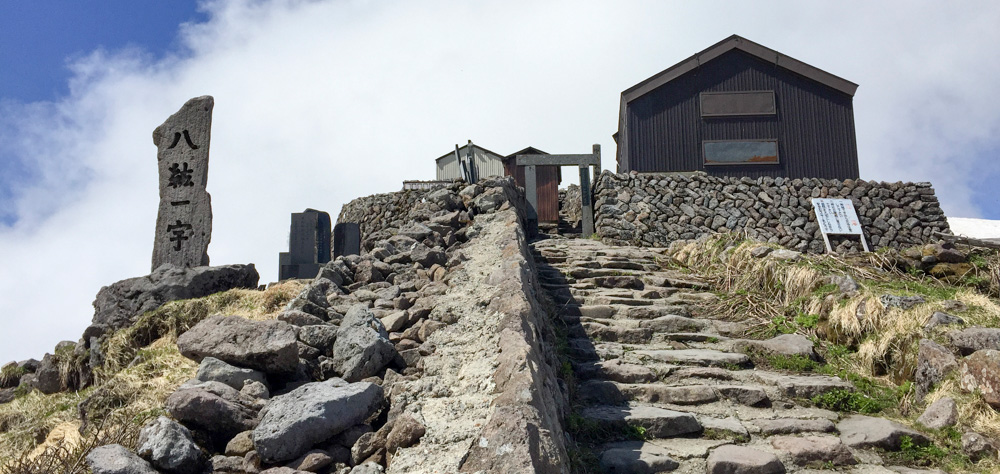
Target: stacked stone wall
{"x": 656, "y": 209}
{"x": 381, "y": 211}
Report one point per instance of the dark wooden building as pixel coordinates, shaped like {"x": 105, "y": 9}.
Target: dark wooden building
{"x": 547, "y": 178}
{"x": 740, "y": 109}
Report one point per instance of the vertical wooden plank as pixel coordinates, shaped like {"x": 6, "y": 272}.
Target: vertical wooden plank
{"x": 587, "y": 209}
{"x": 531, "y": 195}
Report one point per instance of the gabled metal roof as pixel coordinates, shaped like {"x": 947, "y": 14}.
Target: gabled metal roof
{"x": 734, "y": 42}
{"x": 738, "y": 42}
{"x": 492, "y": 154}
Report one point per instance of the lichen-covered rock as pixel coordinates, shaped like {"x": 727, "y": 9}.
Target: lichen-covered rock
{"x": 934, "y": 363}
{"x": 169, "y": 447}
{"x": 362, "y": 347}
{"x": 292, "y": 423}
{"x": 981, "y": 371}
{"x": 805, "y": 450}
{"x": 268, "y": 346}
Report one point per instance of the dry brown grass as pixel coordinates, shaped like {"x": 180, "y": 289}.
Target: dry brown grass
{"x": 143, "y": 366}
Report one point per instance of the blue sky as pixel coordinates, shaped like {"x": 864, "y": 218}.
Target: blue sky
{"x": 318, "y": 102}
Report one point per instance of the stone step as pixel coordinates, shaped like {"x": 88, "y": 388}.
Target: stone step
{"x": 636, "y": 457}
{"x": 612, "y": 300}
{"x": 691, "y": 337}
{"x": 786, "y": 426}
{"x": 703, "y": 357}
{"x": 658, "y": 422}
{"x": 615, "y": 370}
{"x": 802, "y": 386}
{"x": 602, "y": 332}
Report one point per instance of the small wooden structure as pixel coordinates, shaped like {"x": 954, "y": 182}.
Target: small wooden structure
{"x": 470, "y": 163}
{"x": 531, "y": 163}
{"x": 547, "y": 179}
{"x": 740, "y": 109}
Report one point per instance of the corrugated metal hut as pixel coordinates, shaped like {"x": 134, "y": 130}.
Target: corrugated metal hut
{"x": 547, "y": 178}
{"x": 482, "y": 163}
{"x": 740, "y": 109}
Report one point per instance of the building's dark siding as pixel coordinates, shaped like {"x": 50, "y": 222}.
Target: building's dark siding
{"x": 814, "y": 124}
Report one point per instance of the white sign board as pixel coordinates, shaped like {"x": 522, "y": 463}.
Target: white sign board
{"x": 837, "y": 216}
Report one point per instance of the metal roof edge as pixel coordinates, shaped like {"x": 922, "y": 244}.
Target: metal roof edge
{"x": 738, "y": 42}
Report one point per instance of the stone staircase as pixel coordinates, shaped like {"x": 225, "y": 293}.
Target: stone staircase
{"x": 648, "y": 357}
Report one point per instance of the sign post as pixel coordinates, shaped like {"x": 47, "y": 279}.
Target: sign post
{"x": 837, "y": 216}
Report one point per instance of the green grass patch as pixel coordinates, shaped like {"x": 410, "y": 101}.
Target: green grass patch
{"x": 793, "y": 363}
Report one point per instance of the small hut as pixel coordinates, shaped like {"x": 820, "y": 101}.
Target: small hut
{"x": 547, "y": 179}
{"x": 478, "y": 163}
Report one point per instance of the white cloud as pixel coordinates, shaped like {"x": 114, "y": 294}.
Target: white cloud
{"x": 321, "y": 102}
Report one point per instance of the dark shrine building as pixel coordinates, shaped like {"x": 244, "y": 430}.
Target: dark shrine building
{"x": 547, "y": 179}
{"x": 740, "y": 109}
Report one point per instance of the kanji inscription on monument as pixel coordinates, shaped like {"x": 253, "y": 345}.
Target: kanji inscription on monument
{"x": 184, "y": 222}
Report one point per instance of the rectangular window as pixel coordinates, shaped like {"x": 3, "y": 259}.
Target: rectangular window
{"x": 740, "y": 152}
{"x": 724, "y": 104}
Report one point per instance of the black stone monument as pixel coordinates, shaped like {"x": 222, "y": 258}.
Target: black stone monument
{"x": 346, "y": 239}
{"x": 308, "y": 245}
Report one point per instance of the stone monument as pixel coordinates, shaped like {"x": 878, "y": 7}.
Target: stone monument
{"x": 346, "y": 239}
{"x": 184, "y": 222}
{"x": 308, "y": 245}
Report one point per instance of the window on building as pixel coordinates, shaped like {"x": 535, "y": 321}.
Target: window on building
{"x": 740, "y": 152}
{"x": 725, "y": 104}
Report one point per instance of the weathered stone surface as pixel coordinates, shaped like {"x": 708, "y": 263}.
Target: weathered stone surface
{"x": 119, "y": 304}
{"x": 362, "y": 347}
{"x": 784, "y": 344}
{"x": 942, "y": 319}
{"x": 745, "y": 395}
{"x": 940, "y": 414}
{"x": 732, "y": 459}
{"x": 406, "y": 431}
{"x": 804, "y": 386}
{"x": 215, "y": 370}
{"x": 320, "y": 336}
{"x": 814, "y": 449}
{"x": 934, "y": 363}
{"x": 970, "y": 340}
{"x": 706, "y": 357}
{"x": 6, "y": 395}
{"x": 115, "y": 459}
{"x": 637, "y": 457}
{"x": 616, "y": 370}
{"x": 227, "y": 464}
{"x": 169, "y": 447}
{"x": 793, "y": 425}
{"x": 184, "y": 222}
{"x": 785, "y": 254}
{"x": 367, "y": 468}
{"x": 903, "y": 302}
{"x": 981, "y": 371}
{"x": 859, "y": 431}
{"x": 297, "y": 317}
{"x": 255, "y": 389}
{"x": 658, "y": 422}
{"x": 241, "y": 444}
{"x": 268, "y": 346}
{"x": 47, "y": 378}
{"x": 367, "y": 446}
{"x": 977, "y": 446}
{"x": 292, "y": 423}
{"x": 312, "y": 461}
{"x": 214, "y": 408}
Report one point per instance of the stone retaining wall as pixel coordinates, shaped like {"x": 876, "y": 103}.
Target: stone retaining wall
{"x": 380, "y": 211}
{"x": 656, "y": 209}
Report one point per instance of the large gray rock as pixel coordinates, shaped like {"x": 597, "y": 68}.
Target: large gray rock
{"x": 940, "y": 414}
{"x": 637, "y": 457}
{"x": 215, "y": 370}
{"x": 170, "y": 447}
{"x": 732, "y": 459}
{"x": 934, "y": 363}
{"x": 214, "y": 408}
{"x": 362, "y": 348}
{"x": 320, "y": 336}
{"x": 184, "y": 222}
{"x": 47, "y": 377}
{"x": 859, "y": 431}
{"x": 292, "y": 423}
{"x": 119, "y": 304}
{"x": 115, "y": 459}
{"x": 785, "y": 344}
{"x": 970, "y": 340}
{"x": 268, "y": 346}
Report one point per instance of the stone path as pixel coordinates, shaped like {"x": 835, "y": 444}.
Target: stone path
{"x": 646, "y": 354}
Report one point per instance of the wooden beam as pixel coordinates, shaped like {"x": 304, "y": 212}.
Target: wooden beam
{"x": 559, "y": 160}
